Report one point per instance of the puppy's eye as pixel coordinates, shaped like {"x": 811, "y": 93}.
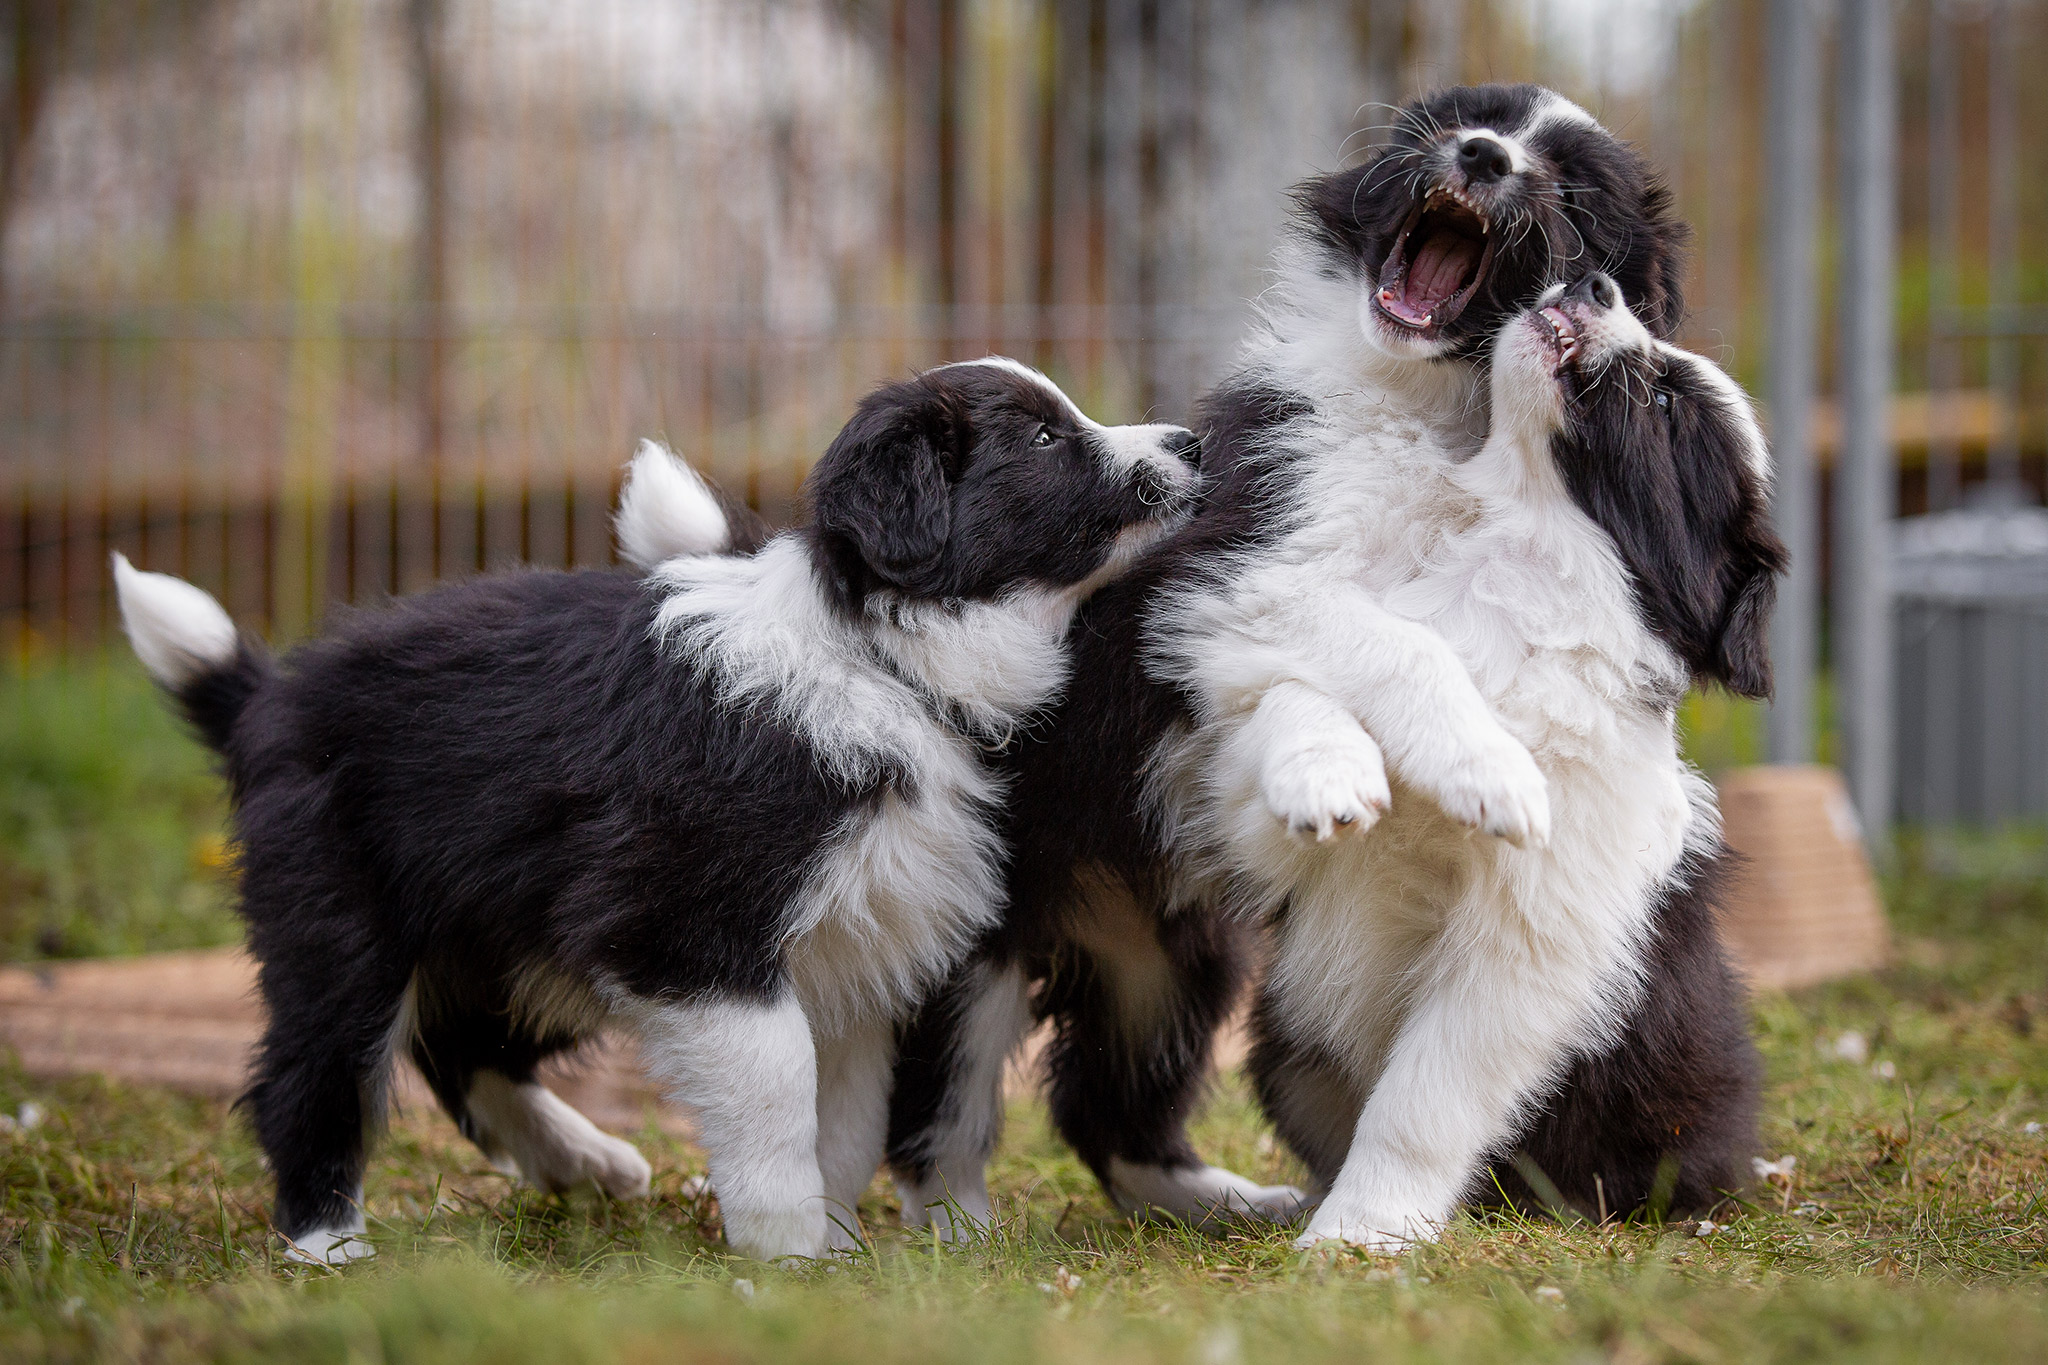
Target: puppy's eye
{"x": 1043, "y": 438}
{"x": 1661, "y": 399}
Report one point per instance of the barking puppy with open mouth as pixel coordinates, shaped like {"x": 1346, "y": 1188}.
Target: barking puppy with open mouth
{"x": 1362, "y": 380}
{"x": 1554, "y": 999}
{"x": 741, "y": 807}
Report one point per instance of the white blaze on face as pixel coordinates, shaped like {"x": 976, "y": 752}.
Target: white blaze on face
{"x": 1126, "y": 448}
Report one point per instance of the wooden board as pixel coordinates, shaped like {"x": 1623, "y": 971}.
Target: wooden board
{"x": 191, "y": 1021}
{"x": 1803, "y": 906}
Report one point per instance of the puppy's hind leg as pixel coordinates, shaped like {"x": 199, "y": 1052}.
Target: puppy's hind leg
{"x": 748, "y": 1073}
{"x": 481, "y": 1068}
{"x": 319, "y": 1086}
{"x": 1136, "y": 1009}
{"x": 946, "y": 1111}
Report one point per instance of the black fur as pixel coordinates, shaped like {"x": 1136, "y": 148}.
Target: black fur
{"x": 1077, "y": 831}
{"x": 1648, "y": 459}
{"x": 514, "y": 780}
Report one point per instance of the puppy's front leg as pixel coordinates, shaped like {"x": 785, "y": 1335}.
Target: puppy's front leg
{"x": 853, "y": 1122}
{"x": 1320, "y": 773}
{"x": 1405, "y": 685}
{"x": 748, "y": 1074}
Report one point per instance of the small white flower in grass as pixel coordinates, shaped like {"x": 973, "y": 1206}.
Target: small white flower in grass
{"x": 1707, "y": 1227}
{"x": 744, "y": 1289}
{"x": 1066, "y": 1281}
{"x": 696, "y": 1187}
{"x": 1886, "y": 1070}
{"x": 1809, "y": 1210}
{"x": 30, "y": 1116}
{"x": 1853, "y": 1047}
{"x": 1550, "y": 1294}
{"x": 2031, "y": 1128}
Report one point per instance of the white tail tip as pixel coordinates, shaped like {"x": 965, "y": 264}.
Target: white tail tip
{"x": 179, "y": 631}
{"x": 665, "y": 510}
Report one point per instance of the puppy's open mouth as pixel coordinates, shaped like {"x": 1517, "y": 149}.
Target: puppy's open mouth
{"x": 1560, "y": 336}
{"x": 1438, "y": 263}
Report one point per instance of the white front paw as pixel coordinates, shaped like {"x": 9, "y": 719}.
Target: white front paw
{"x": 1337, "y": 786}
{"x": 1492, "y": 784}
{"x": 1379, "y": 1235}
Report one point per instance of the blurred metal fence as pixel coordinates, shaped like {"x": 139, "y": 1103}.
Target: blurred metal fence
{"x": 314, "y": 300}
{"x": 1972, "y": 592}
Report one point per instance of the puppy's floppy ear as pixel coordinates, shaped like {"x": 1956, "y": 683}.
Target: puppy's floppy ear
{"x": 1742, "y": 648}
{"x": 880, "y": 504}
{"x": 1742, "y": 655}
{"x": 1657, "y": 248}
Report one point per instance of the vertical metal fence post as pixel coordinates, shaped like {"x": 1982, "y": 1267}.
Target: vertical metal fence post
{"x": 1866, "y": 495}
{"x": 1794, "y": 152}
{"x": 2002, "y": 154}
{"x": 1944, "y": 461}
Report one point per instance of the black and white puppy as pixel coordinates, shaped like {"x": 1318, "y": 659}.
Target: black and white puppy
{"x": 1499, "y": 643}
{"x": 1368, "y": 353}
{"x": 740, "y": 807}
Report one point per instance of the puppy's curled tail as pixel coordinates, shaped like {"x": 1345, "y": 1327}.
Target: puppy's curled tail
{"x": 191, "y": 648}
{"x": 666, "y": 510}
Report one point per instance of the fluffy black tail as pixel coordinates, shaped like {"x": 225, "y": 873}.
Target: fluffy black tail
{"x": 191, "y": 648}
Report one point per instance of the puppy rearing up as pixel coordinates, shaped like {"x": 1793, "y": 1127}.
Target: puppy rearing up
{"x": 739, "y": 807}
{"x": 1514, "y": 634}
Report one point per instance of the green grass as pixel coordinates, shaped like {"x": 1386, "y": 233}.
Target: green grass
{"x": 110, "y": 817}
{"x": 132, "y": 1222}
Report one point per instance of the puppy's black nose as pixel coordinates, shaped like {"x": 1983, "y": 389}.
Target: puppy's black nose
{"x": 1597, "y": 290}
{"x": 1483, "y": 160}
{"x": 1184, "y": 444}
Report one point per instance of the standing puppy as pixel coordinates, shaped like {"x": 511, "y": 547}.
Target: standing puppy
{"x": 1513, "y": 634}
{"x": 739, "y": 807}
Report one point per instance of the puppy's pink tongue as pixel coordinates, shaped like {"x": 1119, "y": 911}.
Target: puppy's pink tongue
{"x": 1439, "y": 271}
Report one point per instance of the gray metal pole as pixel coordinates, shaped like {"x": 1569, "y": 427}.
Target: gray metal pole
{"x": 1944, "y": 461}
{"x": 2002, "y": 154}
{"x": 1866, "y": 490}
{"x": 1794, "y": 174}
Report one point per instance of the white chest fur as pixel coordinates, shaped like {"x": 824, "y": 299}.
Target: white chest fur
{"x": 1529, "y": 596}
{"x": 903, "y": 885}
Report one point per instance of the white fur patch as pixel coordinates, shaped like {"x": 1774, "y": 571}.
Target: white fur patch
{"x": 762, "y": 632}
{"x": 853, "y": 1122}
{"x": 336, "y": 1245}
{"x": 897, "y": 896}
{"x": 665, "y": 510}
{"x": 1199, "y": 1194}
{"x": 547, "y": 1143}
{"x": 748, "y": 1074}
{"x": 179, "y": 631}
